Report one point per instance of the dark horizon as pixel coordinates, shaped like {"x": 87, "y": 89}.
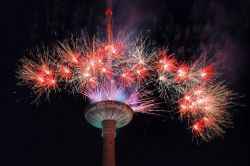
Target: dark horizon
{"x": 55, "y": 132}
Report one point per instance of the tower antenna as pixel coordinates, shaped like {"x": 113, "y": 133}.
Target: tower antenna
{"x": 109, "y": 13}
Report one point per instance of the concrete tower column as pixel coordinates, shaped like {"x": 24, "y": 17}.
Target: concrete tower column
{"x": 108, "y": 134}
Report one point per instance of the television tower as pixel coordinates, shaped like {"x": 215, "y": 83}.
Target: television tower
{"x": 108, "y": 115}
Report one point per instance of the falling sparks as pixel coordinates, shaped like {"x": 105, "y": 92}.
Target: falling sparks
{"x": 123, "y": 71}
{"x": 206, "y": 106}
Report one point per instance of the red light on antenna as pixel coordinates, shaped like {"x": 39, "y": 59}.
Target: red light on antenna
{"x": 109, "y": 12}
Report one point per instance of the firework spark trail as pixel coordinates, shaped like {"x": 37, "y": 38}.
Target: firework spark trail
{"x": 128, "y": 72}
{"x": 203, "y": 100}
{"x": 206, "y": 106}
{"x": 175, "y": 77}
{"x": 139, "y": 102}
{"x": 39, "y": 74}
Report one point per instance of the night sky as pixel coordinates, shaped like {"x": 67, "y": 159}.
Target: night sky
{"x": 55, "y": 132}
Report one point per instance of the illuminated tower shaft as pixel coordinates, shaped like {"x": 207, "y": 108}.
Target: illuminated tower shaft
{"x": 108, "y": 115}
{"x": 108, "y": 134}
{"x": 109, "y": 13}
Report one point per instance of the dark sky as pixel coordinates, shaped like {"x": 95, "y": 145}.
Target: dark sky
{"x": 56, "y": 133}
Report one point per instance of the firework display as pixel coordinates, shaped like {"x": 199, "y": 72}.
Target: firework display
{"x": 133, "y": 73}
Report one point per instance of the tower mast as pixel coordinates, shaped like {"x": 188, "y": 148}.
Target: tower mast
{"x": 109, "y": 13}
